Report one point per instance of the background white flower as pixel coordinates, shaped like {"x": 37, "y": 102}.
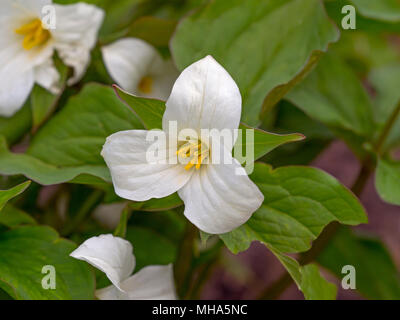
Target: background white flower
{"x": 113, "y": 256}
{"x": 138, "y": 68}
{"x": 27, "y": 47}
{"x": 217, "y": 199}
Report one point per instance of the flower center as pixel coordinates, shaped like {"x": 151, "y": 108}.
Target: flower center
{"x": 196, "y": 151}
{"x": 34, "y": 34}
{"x": 146, "y": 85}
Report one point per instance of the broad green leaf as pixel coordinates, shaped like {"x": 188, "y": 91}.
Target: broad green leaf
{"x": 15, "y": 127}
{"x": 264, "y": 142}
{"x": 166, "y": 203}
{"x": 385, "y": 81}
{"x": 6, "y": 195}
{"x": 308, "y": 279}
{"x": 333, "y": 95}
{"x": 266, "y": 46}
{"x": 153, "y": 30}
{"x": 11, "y": 216}
{"x": 387, "y": 181}
{"x": 150, "y": 248}
{"x": 150, "y": 112}
{"x": 386, "y": 10}
{"x": 299, "y": 202}
{"x": 363, "y": 23}
{"x": 155, "y": 237}
{"x": 29, "y": 249}
{"x": 69, "y": 145}
{"x": 377, "y": 276}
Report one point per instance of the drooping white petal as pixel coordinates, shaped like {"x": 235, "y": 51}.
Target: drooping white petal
{"x": 75, "y": 35}
{"x": 129, "y": 60}
{"x": 204, "y": 97}
{"x": 134, "y": 178}
{"x": 112, "y": 255}
{"x": 150, "y": 283}
{"x": 14, "y": 90}
{"x": 220, "y": 197}
{"x": 47, "y": 76}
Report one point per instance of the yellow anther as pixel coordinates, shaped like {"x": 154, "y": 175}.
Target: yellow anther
{"x": 146, "y": 85}
{"x": 196, "y": 150}
{"x": 35, "y": 34}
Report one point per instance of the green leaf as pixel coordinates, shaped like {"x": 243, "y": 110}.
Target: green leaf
{"x": 15, "y": 127}
{"x": 150, "y": 246}
{"x": 386, "y": 10}
{"x": 385, "y": 81}
{"x": 150, "y": 112}
{"x": 299, "y": 202}
{"x": 29, "y": 249}
{"x": 153, "y": 30}
{"x": 6, "y": 195}
{"x": 387, "y": 181}
{"x": 266, "y": 46}
{"x": 69, "y": 145}
{"x": 170, "y": 202}
{"x": 377, "y": 276}
{"x": 333, "y": 95}
{"x": 11, "y": 216}
{"x": 308, "y": 279}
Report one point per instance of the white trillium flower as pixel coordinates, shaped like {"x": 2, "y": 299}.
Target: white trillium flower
{"x": 27, "y": 46}
{"x": 113, "y": 256}
{"x": 218, "y": 197}
{"x": 138, "y": 68}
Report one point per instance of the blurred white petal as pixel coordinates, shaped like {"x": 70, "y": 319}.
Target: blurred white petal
{"x": 14, "y": 91}
{"x": 150, "y": 283}
{"x": 112, "y": 255}
{"x": 76, "y": 34}
{"x": 131, "y": 60}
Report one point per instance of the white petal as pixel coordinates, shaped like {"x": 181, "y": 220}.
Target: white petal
{"x": 129, "y": 60}
{"x": 14, "y": 90}
{"x": 47, "y": 76}
{"x": 133, "y": 176}
{"x": 33, "y": 7}
{"x": 217, "y": 199}
{"x": 204, "y": 97}
{"x": 150, "y": 283}
{"x": 112, "y": 255}
{"x": 76, "y": 34}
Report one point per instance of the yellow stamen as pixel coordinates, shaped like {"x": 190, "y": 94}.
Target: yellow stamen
{"x": 196, "y": 150}
{"x": 146, "y": 85}
{"x": 34, "y": 34}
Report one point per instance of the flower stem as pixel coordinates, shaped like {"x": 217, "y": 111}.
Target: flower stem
{"x": 183, "y": 265}
{"x": 93, "y": 199}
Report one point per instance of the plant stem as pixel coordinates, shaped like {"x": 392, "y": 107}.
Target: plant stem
{"x": 184, "y": 260}
{"x": 93, "y": 199}
{"x": 386, "y": 130}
